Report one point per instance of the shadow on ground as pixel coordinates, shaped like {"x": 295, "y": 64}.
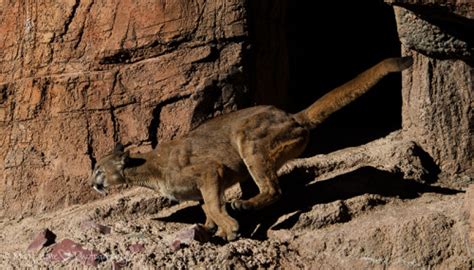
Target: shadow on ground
{"x": 297, "y": 196}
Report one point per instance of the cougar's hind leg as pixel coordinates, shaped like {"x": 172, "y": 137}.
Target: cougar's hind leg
{"x": 266, "y": 179}
{"x": 263, "y": 155}
{"x": 263, "y": 172}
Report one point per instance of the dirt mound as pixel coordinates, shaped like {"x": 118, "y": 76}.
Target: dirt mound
{"x": 364, "y": 231}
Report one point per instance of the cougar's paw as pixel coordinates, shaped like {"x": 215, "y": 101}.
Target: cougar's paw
{"x": 210, "y": 227}
{"x": 229, "y": 236}
{"x": 232, "y": 236}
{"x": 240, "y": 205}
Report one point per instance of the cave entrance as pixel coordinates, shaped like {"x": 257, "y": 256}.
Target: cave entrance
{"x": 327, "y": 43}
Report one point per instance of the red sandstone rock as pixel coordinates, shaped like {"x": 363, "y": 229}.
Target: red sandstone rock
{"x": 187, "y": 235}
{"x": 67, "y": 250}
{"x": 42, "y": 239}
{"x": 136, "y": 248}
{"x": 92, "y": 72}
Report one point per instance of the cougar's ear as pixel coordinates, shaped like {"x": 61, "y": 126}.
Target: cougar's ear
{"x": 119, "y": 148}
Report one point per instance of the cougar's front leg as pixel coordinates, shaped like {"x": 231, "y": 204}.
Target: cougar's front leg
{"x": 214, "y": 206}
{"x": 210, "y": 225}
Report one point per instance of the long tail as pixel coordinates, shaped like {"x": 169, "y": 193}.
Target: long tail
{"x": 348, "y": 92}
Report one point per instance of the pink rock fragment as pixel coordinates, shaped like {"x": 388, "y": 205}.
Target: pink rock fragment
{"x": 176, "y": 244}
{"x": 42, "y": 239}
{"x": 118, "y": 265}
{"x": 68, "y": 249}
{"x": 187, "y": 235}
{"x": 88, "y": 224}
{"x": 136, "y": 248}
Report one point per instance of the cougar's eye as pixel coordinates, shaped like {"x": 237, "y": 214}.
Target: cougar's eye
{"x": 98, "y": 175}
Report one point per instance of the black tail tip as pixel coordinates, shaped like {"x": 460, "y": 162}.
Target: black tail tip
{"x": 405, "y": 62}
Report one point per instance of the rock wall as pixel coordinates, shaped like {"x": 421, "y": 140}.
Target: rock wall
{"x": 77, "y": 76}
{"x": 437, "y": 92}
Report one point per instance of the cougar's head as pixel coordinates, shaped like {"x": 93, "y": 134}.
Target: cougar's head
{"x": 109, "y": 170}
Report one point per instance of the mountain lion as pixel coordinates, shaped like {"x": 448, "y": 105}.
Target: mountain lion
{"x": 225, "y": 150}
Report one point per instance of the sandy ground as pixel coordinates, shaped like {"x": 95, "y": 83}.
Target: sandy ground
{"x": 420, "y": 229}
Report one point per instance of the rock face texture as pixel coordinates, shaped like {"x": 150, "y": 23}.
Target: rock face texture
{"x": 77, "y": 76}
{"x": 457, "y": 7}
{"x": 437, "y": 93}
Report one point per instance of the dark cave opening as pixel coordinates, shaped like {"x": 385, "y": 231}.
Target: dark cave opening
{"x": 303, "y": 51}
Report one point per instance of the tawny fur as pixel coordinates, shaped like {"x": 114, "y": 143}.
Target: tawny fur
{"x": 228, "y": 149}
